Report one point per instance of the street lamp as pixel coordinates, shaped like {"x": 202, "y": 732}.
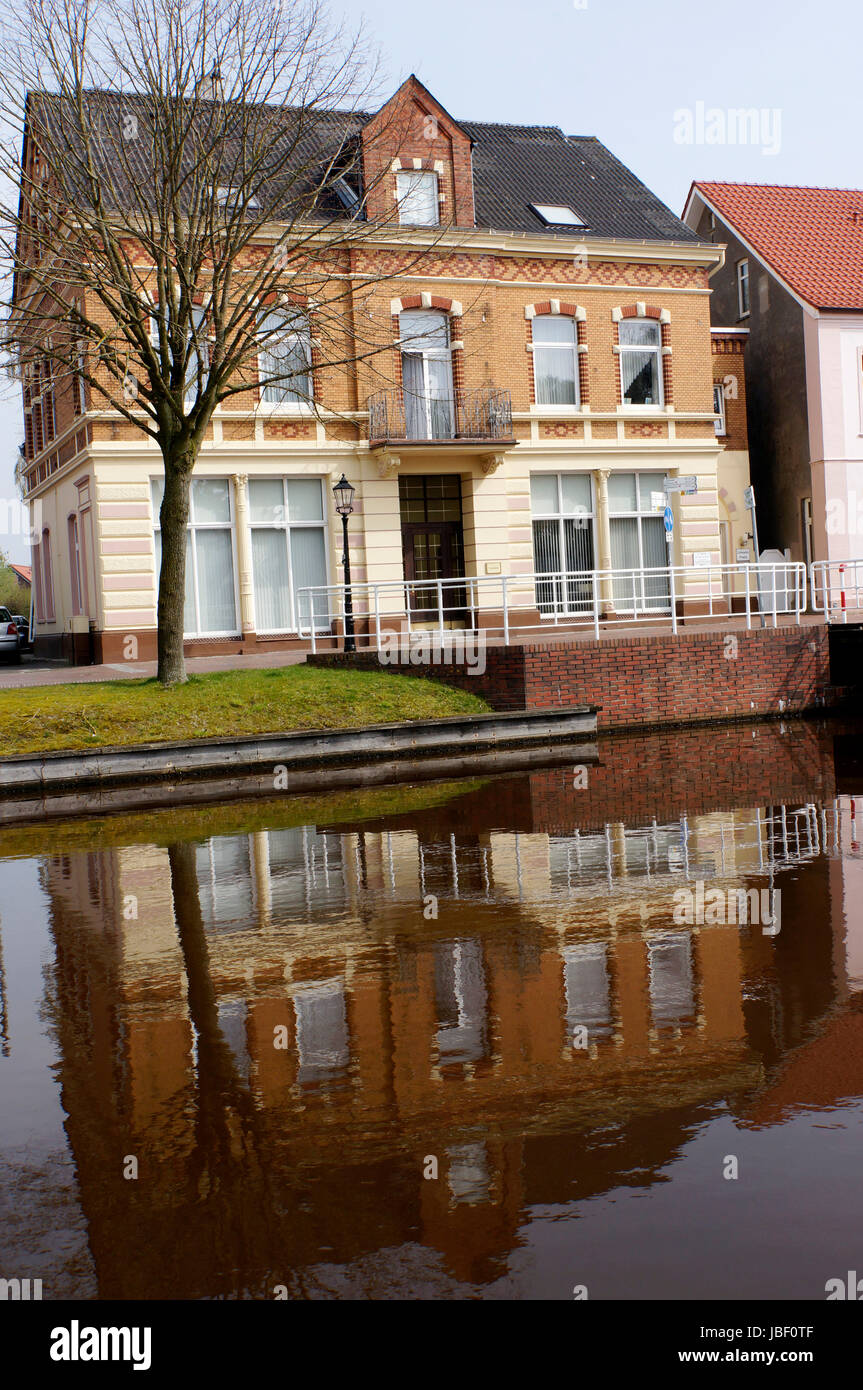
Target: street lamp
{"x": 344, "y": 495}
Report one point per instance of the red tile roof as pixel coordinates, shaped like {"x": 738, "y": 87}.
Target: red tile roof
{"x": 25, "y": 571}
{"x": 811, "y": 237}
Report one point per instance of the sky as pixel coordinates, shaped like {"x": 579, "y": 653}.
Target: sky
{"x": 653, "y": 81}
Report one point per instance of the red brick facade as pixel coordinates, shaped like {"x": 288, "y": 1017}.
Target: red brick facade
{"x": 641, "y": 682}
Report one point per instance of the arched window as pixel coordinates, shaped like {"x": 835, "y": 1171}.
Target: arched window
{"x": 427, "y": 381}
{"x": 555, "y": 359}
{"x": 47, "y": 585}
{"x": 285, "y": 358}
{"x": 75, "y": 565}
{"x": 640, "y": 361}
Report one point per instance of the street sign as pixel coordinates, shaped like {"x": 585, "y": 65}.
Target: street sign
{"x": 749, "y": 498}
{"x": 668, "y": 518}
{"x": 687, "y": 484}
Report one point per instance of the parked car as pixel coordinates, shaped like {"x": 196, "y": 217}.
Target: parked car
{"x": 10, "y": 641}
{"x": 23, "y": 627}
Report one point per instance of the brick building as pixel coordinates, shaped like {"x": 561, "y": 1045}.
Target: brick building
{"x": 548, "y": 361}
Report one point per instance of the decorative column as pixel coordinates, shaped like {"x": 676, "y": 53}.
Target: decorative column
{"x": 603, "y": 536}
{"x": 244, "y": 553}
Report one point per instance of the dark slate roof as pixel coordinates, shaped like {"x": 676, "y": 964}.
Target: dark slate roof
{"x": 514, "y": 166}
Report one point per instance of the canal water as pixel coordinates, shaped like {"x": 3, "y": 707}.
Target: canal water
{"x": 592, "y": 1028}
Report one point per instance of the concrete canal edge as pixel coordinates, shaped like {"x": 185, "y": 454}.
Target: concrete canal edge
{"x": 308, "y": 750}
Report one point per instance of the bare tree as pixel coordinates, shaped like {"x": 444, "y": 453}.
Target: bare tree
{"x": 191, "y": 186}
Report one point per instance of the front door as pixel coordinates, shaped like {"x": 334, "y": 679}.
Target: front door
{"x": 433, "y": 547}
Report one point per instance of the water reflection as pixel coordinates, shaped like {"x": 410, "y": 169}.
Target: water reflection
{"x": 282, "y": 1025}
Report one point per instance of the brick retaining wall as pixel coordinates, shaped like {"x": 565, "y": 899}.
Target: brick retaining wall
{"x": 650, "y": 680}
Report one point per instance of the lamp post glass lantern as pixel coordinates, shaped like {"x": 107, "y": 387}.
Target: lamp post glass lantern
{"x": 344, "y": 495}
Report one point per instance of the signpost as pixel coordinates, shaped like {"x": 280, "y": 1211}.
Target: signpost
{"x": 668, "y": 518}
{"x": 749, "y": 503}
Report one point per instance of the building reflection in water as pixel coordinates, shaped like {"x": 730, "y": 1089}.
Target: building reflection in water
{"x": 281, "y": 1032}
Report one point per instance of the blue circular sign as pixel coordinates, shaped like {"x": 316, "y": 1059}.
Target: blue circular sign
{"x": 668, "y": 518}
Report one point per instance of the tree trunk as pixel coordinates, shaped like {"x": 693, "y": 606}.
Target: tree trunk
{"x": 174, "y": 518}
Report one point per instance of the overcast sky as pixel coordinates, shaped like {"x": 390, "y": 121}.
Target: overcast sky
{"x": 654, "y": 82}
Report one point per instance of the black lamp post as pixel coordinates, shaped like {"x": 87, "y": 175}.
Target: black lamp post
{"x": 344, "y": 495}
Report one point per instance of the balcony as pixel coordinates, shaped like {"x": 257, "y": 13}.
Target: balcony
{"x": 482, "y": 417}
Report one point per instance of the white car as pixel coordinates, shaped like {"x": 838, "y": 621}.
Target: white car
{"x": 10, "y": 644}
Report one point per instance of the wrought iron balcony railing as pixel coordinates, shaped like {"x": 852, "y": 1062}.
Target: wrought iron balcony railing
{"x": 482, "y": 414}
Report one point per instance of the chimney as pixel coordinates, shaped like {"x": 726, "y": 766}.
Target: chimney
{"x": 210, "y": 87}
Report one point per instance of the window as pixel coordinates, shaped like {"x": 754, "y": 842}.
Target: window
{"x": 289, "y": 551}
{"x": 417, "y": 194}
{"x": 75, "y": 566}
{"x": 719, "y": 408}
{"x": 211, "y": 602}
{"x": 426, "y": 374}
{"x": 461, "y": 1001}
{"x": 79, "y": 384}
{"x": 198, "y": 352}
{"x": 743, "y": 288}
{"x": 198, "y": 356}
{"x": 557, "y": 215}
{"x": 323, "y": 1040}
{"x": 230, "y": 199}
{"x": 672, "y": 982}
{"x": 45, "y": 589}
{"x": 587, "y": 989}
{"x": 226, "y": 882}
{"x": 640, "y": 361}
{"x": 285, "y": 359}
{"x": 555, "y": 360}
{"x": 563, "y": 540}
{"x": 638, "y": 542}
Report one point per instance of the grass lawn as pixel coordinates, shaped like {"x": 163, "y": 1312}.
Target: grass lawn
{"x": 224, "y": 703}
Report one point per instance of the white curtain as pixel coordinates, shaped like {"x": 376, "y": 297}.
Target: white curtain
{"x": 309, "y": 566}
{"x": 216, "y": 602}
{"x": 271, "y": 582}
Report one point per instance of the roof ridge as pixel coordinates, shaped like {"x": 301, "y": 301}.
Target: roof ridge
{"x": 785, "y": 187}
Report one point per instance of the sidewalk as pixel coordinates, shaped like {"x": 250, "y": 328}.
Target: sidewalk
{"x": 33, "y": 673}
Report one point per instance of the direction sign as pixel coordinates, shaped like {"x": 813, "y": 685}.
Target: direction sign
{"x": 687, "y": 484}
{"x": 668, "y": 518}
{"x": 749, "y": 498}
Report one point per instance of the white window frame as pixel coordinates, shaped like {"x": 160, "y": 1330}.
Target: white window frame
{"x": 294, "y": 405}
{"x": 624, "y": 348}
{"x": 414, "y": 347}
{"x": 192, "y": 527}
{"x": 589, "y": 518}
{"x": 743, "y": 288}
{"x": 199, "y": 314}
{"x": 639, "y": 514}
{"x": 286, "y": 526}
{"x": 720, "y": 426}
{"x": 563, "y": 347}
{"x": 403, "y": 196}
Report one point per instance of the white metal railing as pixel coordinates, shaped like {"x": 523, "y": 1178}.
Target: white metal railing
{"x": 836, "y": 589}
{"x": 501, "y": 606}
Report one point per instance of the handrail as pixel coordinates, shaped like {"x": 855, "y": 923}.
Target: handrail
{"x": 544, "y": 601}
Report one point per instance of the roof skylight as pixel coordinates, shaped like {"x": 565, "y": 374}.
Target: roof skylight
{"x": 557, "y": 215}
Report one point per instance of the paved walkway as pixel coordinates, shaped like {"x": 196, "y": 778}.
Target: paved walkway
{"x": 37, "y": 673}
{"x": 40, "y": 672}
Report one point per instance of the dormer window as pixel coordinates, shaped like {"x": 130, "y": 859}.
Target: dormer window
{"x": 227, "y": 199}
{"x": 557, "y": 215}
{"x": 417, "y": 193}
